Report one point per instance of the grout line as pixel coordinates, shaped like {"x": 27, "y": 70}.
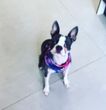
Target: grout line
{"x": 92, "y": 62}
{"x": 84, "y": 66}
{"x": 21, "y": 99}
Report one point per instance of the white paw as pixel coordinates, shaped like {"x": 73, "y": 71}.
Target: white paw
{"x": 66, "y": 83}
{"x": 46, "y": 91}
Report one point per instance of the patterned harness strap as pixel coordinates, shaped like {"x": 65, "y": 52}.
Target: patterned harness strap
{"x": 58, "y": 68}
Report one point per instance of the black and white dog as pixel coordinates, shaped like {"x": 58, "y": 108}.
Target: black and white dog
{"x": 55, "y": 54}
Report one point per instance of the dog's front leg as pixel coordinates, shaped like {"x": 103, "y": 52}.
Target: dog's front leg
{"x": 46, "y": 86}
{"x": 65, "y": 79}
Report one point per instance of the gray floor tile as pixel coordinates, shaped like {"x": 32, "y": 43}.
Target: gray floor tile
{"x": 23, "y": 27}
{"x": 94, "y": 25}
{"x": 87, "y": 91}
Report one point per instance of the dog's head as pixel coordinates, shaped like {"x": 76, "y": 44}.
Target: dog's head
{"x": 57, "y": 49}
{"x": 62, "y": 44}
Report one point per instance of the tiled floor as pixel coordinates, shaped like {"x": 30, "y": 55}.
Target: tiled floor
{"x": 24, "y": 24}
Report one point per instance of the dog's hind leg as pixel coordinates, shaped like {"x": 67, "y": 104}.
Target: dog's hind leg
{"x": 46, "y": 89}
{"x": 40, "y": 65}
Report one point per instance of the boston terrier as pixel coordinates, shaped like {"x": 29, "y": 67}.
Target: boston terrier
{"x": 55, "y": 55}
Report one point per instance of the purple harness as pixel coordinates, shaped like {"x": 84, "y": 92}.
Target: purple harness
{"x": 58, "y": 68}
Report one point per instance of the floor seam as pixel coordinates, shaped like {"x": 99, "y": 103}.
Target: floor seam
{"x": 21, "y": 99}
{"x": 82, "y": 67}
{"x": 92, "y": 62}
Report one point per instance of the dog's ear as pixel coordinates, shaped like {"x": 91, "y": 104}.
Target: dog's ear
{"x": 55, "y": 29}
{"x": 73, "y": 33}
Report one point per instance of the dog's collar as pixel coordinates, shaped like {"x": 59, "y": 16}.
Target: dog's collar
{"x": 51, "y": 64}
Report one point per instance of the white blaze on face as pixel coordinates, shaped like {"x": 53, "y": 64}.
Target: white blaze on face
{"x": 61, "y": 43}
{"x": 61, "y": 57}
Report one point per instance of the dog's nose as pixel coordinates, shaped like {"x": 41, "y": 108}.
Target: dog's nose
{"x": 58, "y": 48}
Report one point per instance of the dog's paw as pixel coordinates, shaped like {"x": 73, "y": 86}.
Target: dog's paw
{"x": 46, "y": 91}
{"x": 66, "y": 83}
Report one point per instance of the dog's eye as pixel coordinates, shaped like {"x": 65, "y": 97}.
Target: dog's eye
{"x": 55, "y": 41}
